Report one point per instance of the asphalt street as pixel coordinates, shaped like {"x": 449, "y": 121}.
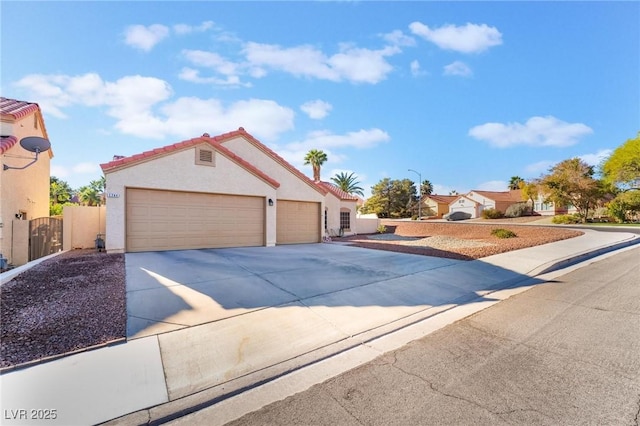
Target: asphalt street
{"x": 565, "y": 352}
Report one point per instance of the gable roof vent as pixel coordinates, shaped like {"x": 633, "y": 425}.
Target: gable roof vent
{"x": 205, "y": 157}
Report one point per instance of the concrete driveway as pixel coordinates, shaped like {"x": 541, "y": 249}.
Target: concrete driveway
{"x": 170, "y": 290}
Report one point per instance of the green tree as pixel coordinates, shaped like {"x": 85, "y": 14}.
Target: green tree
{"x": 572, "y": 182}
{"x": 391, "y": 198}
{"x": 515, "y": 182}
{"x": 348, "y": 183}
{"x": 316, "y": 158}
{"x": 626, "y": 206}
{"x": 426, "y": 188}
{"x": 530, "y": 191}
{"x": 622, "y": 167}
{"x": 92, "y": 194}
{"x": 59, "y": 191}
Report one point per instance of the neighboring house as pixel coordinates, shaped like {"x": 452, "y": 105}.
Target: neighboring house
{"x": 24, "y": 193}
{"x": 549, "y": 208}
{"x": 340, "y": 201}
{"x": 208, "y": 192}
{"x": 476, "y": 201}
{"x": 437, "y": 205}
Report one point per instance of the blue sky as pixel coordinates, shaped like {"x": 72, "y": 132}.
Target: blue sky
{"x": 466, "y": 93}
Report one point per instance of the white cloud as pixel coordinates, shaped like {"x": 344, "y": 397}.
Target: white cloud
{"x": 493, "y": 185}
{"x": 324, "y": 140}
{"x": 439, "y": 189}
{"x": 537, "y": 131}
{"x": 211, "y": 60}
{"x": 357, "y": 65}
{"x": 597, "y": 158}
{"x": 398, "y": 38}
{"x": 539, "y": 167}
{"x": 141, "y": 107}
{"x": 415, "y": 69}
{"x": 317, "y": 109}
{"x": 59, "y": 171}
{"x": 86, "y": 168}
{"x": 469, "y": 38}
{"x": 145, "y": 38}
{"x": 193, "y": 76}
{"x": 458, "y": 68}
{"x": 181, "y": 29}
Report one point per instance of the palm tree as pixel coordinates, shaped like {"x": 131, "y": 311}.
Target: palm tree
{"x": 515, "y": 182}
{"x": 426, "y": 188}
{"x": 316, "y": 158}
{"x": 348, "y": 183}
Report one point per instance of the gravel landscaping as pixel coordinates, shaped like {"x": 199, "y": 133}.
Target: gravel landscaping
{"x": 72, "y": 301}
{"x": 77, "y": 299}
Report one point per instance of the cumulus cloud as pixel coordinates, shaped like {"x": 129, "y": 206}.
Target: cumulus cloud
{"x": 398, "y": 38}
{"x": 145, "y": 38}
{"x": 596, "y": 158}
{"x": 141, "y": 106}
{"x": 181, "y": 29}
{"x": 415, "y": 69}
{"x": 458, "y": 68}
{"x": 317, "y": 109}
{"x": 469, "y": 38}
{"x": 539, "y": 167}
{"x": 211, "y": 60}
{"x": 537, "y": 131}
{"x": 353, "y": 64}
{"x": 193, "y": 76}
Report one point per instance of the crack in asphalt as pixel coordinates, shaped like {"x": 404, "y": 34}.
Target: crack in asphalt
{"x": 343, "y": 407}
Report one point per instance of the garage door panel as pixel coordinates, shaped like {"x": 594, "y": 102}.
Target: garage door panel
{"x": 170, "y": 220}
{"x": 297, "y": 222}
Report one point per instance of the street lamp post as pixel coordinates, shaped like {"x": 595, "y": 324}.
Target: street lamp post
{"x": 419, "y": 193}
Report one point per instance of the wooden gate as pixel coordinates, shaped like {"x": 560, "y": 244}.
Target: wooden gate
{"x": 45, "y": 237}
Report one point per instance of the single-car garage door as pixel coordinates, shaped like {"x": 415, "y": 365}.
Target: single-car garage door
{"x": 172, "y": 220}
{"x": 298, "y": 222}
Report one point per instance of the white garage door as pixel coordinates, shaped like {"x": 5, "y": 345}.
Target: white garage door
{"x": 466, "y": 209}
{"x": 172, "y": 220}
{"x": 298, "y": 222}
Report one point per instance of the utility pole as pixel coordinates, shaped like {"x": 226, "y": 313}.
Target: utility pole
{"x": 419, "y": 193}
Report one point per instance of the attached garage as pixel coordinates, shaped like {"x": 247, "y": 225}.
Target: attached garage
{"x": 174, "y": 220}
{"x": 297, "y": 222}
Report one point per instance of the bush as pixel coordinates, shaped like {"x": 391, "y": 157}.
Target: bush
{"x": 491, "y": 214}
{"x": 381, "y": 229}
{"x": 414, "y": 217}
{"x": 566, "y": 219}
{"x": 518, "y": 210}
{"x": 503, "y": 233}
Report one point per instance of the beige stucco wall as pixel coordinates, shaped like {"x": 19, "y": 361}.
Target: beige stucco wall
{"x": 178, "y": 171}
{"x": 22, "y": 190}
{"x": 333, "y": 205}
{"x": 291, "y": 186}
{"x": 433, "y": 208}
{"x": 81, "y": 224}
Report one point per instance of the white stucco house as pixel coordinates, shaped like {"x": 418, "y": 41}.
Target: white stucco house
{"x": 224, "y": 191}
{"x": 476, "y": 201}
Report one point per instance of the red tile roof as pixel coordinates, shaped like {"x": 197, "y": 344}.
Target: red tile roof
{"x": 17, "y": 109}
{"x": 6, "y": 143}
{"x": 442, "y": 198}
{"x": 335, "y": 190}
{"x": 124, "y": 162}
{"x": 513, "y": 195}
{"x": 255, "y": 142}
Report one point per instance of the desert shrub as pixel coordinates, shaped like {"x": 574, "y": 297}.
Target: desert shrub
{"x": 566, "y": 219}
{"x": 517, "y": 210}
{"x": 491, "y": 214}
{"x": 503, "y": 233}
{"x": 414, "y": 217}
{"x": 381, "y": 229}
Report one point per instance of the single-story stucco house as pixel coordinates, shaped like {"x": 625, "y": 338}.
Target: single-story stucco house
{"x": 224, "y": 191}
{"x": 476, "y": 201}
{"x": 436, "y": 205}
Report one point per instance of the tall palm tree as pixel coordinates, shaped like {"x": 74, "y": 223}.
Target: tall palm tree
{"x": 515, "y": 182}
{"x": 348, "y": 183}
{"x": 316, "y": 158}
{"x": 426, "y": 188}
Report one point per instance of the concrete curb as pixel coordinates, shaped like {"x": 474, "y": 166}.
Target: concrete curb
{"x": 580, "y": 257}
{"x": 5, "y": 277}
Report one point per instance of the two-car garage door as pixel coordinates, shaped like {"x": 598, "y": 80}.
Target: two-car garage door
{"x": 173, "y": 220}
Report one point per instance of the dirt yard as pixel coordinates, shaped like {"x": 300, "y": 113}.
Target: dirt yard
{"x": 77, "y": 299}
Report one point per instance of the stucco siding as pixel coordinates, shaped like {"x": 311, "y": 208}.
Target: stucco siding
{"x": 22, "y": 190}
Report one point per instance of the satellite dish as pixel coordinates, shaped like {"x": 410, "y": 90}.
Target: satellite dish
{"x": 35, "y": 144}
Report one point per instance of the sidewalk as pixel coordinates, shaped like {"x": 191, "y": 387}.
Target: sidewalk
{"x": 157, "y": 378}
